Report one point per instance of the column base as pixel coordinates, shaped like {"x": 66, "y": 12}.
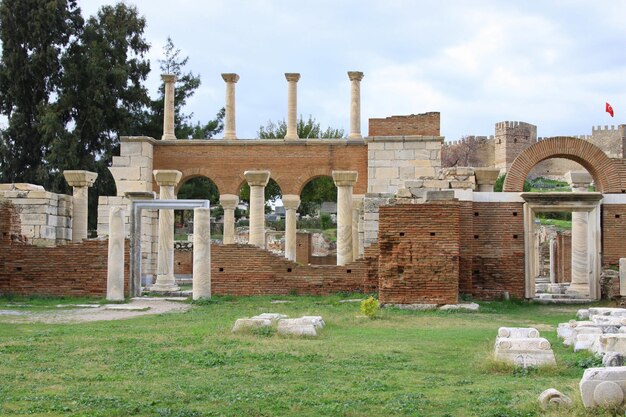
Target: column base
{"x": 165, "y": 284}
{"x": 355, "y": 136}
{"x": 291, "y": 137}
{"x": 168, "y": 137}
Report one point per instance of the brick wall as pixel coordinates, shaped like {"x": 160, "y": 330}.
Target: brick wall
{"x": 466, "y": 224}
{"x": 75, "y": 269}
{"x": 419, "y": 253}
{"x": 497, "y": 250}
{"x": 425, "y": 124}
{"x": 303, "y": 247}
{"x": 613, "y": 234}
{"x": 248, "y": 270}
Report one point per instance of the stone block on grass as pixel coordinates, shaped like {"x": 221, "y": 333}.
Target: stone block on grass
{"x": 246, "y": 325}
{"x": 524, "y": 352}
{"x": 603, "y": 387}
{"x": 518, "y": 332}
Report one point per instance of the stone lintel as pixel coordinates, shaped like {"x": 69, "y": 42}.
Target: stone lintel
{"x": 168, "y": 78}
{"x": 78, "y": 178}
{"x": 292, "y": 76}
{"x": 257, "y": 178}
{"x": 230, "y": 77}
{"x": 556, "y": 199}
{"x": 167, "y": 177}
{"x": 355, "y": 75}
{"x": 345, "y": 178}
{"x": 229, "y": 201}
{"x": 486, "y": 176}
{"x": 140, "y": 195}
{"x": 291, "y": 201}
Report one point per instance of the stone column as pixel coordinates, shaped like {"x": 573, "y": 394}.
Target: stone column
{"x": 344, "y": 180}
{"x": 229, "y": 117}
{"x": 292, "y": 105}
{"x": 229, "y": 203}
{"x": 167, "y": 180}
{"x": 622, "y": 277}
{"x": 168, "y": 107}
{"x": 486, "y": 178}
{"x": 257, "y": 180}
{"x": 201, "y": 253}
{"x": 80, "y": 181}
{"x": 291, "y": 203}
{"x": 355, "y": 104}
{"x": 357, "y": 207}
{"x": 115, "y": 264}
{"x": 579, "y": 181}
{"x": 552, "y": 261}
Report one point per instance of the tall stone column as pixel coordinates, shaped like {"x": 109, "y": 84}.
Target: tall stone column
{"x": 291, "y": 203}
{"x": 201, "y": 253}
{"x": 115, "y": 263}
{"x": 344, "y": 180}
{"x": 355, "y": 104}
{"x": 486, "y": 178}
{"x": 579, "y": 181}
{"x": 167, "y": 180}
{"x": 80, "y": 181}
{"x": 168, "y": 107}
{"x": 229, "y": 203}
{"x": 257, "y": 180}
{"x": 552, "y": 261}
{"x": 229, "y": 117}
{"x": 292, "y": 105}
{"x": 357, "y": 207}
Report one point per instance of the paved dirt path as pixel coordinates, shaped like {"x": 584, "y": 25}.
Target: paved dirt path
{"x": 80, "y": 315}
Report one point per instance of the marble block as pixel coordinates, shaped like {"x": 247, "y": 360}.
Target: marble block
{"x": 603, "y": 387}
{"x": 274, "y": 317}
{"x": 553, "y": 398}
{"x": 249, "y": 324}
{"x": 613, "y": 359}
{"x": 582, "y": 314}
{"x": 585, "y": 341}
{"x": 315, "y": 321}
{"x": 524, "y": 352}
{"x": 605, "y": 343}
{"x": 518, "y": 332}
{"x": 286, "y": 328}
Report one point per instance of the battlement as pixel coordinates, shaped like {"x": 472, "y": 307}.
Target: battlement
{"x": 466, "y": 139}
{"x": 514, "y": 124}
{"x": 606, "y": 127}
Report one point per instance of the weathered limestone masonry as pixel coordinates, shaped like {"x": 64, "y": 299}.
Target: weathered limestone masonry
{"x": 45, "y": 217}
{"x": 511, "y": 139}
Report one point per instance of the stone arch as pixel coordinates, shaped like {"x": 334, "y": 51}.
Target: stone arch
{"x": 190, "y": 173}
{"x": 593, "y": 159}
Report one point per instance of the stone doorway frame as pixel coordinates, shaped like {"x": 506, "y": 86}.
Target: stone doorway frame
{"x": 589, "y": 202}
{"x": 135, "y": 232}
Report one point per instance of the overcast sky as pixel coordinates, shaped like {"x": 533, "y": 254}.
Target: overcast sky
{"x": 550, "y": 63}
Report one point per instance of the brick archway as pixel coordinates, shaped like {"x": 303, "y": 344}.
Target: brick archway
{"x": 599, "y": 165}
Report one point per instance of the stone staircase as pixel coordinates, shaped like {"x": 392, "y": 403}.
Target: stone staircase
{"x": 548, "y": 293}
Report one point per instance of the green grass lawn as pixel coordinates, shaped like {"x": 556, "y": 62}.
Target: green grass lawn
{"x": 190, "y": 364}
{"x": 561, "y": 224}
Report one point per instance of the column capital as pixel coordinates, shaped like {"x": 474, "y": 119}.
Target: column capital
{"x": 292, "y": 76}
{"x": 168, "y": 78}
{"x": 78, "y": 178}
{"x": 229, "y": 201}
{"x": 486, "y": 176}
{"x": 345, "y": 178}
{"x": 230, "y": 77}
{"x": 258, "y": 178}
{"x": 167, "y": 177}
{"x": 355, "y": 75}
{"x": 291, "y": 201}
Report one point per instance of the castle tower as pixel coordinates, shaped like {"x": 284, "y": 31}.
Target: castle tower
{"x": 511, "y": 139}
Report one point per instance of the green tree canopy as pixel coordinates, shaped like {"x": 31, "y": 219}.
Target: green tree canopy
{"x": 309, "y": 129}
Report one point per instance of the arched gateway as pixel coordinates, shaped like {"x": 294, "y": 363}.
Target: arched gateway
{"x": 603, "y": 169}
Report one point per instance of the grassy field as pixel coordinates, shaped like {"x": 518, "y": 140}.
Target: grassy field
{"x": 190, "y": 364}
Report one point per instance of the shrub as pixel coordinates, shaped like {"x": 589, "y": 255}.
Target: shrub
{"x": 370, "y": 307}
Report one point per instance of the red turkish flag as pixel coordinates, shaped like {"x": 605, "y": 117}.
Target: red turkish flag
{"x": 609, "y": 109}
